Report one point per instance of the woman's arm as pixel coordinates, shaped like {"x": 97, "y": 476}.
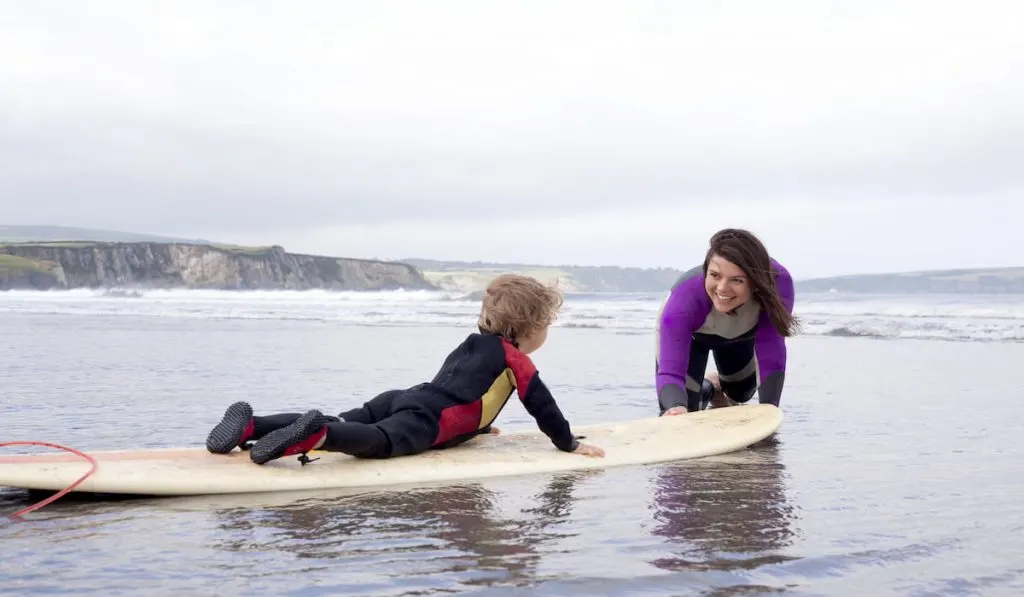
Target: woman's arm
{"x": 680, "y": 317}
{"x": 770, "y": 346}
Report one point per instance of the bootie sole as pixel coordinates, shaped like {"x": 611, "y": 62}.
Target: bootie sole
{"x": 276, "y": 443}
{"x": 228, "y": 433}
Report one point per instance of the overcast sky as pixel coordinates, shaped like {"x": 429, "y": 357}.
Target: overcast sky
{"x": 854, "y": 136}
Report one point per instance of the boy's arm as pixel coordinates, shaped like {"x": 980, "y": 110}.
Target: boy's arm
{"x": 542, "y": 406}
{"x": 538, "y": 399}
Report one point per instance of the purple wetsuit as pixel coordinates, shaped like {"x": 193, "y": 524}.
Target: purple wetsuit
{"x": 748, "y": 351}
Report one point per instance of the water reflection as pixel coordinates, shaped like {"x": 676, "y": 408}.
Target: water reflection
{"x": 727, "y": 513}
{"x": 457, "y": 532}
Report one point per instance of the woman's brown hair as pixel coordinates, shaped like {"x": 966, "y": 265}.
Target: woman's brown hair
{"x": 749, "y": 254}
{"x": 515, "y": 306}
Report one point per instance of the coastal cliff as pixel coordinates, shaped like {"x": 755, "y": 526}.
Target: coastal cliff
{"x": 67, "y": 265}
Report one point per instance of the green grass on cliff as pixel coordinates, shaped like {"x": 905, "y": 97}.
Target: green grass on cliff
{"x": 10, "y": 264}
{"x": 28, "y": 233}
{"x": 69, "y": 244}
{"x": 244, "y": 250}
{"x": 81, "y": 244}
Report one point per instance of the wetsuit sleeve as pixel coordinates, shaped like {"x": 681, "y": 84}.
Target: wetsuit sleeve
{"x": 770, "y": 346}
{"x": 538, "y": 400}
{"x": 676, "y": 325}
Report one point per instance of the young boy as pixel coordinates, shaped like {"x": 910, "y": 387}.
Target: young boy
{"x": 464, "y": 398}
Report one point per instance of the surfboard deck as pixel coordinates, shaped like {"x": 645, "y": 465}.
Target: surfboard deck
{"x": 194, "y": 471}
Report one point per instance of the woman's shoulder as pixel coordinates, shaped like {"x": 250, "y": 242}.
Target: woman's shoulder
{"x": 693, "y": 275}
{"x": 689, "y": 285}
{"x": 687, "y": 299}
{"x": 783, "y": 281}
{"x": 780, "y": 270}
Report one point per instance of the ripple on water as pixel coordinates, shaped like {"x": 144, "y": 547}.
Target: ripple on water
{"x": 881, "y": 481}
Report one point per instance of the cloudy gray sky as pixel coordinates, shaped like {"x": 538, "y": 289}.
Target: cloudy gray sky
{"x": 854, "y": 136}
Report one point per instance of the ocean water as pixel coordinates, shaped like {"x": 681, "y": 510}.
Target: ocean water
{"x": 896, "y": 471}
{"x": 933, "y": 317}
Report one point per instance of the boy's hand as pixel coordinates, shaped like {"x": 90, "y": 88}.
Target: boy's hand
{"x": 494, "y": 430}
{"x": 588, "y": 450}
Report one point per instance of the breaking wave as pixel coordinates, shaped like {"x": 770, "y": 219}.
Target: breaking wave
{"x": 937, "y": 317}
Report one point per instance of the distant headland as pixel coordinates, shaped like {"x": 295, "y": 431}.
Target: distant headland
{"x": 57, "y": 257}
{"x": 49, "y": 258}
{"x": 1004, "y": 280}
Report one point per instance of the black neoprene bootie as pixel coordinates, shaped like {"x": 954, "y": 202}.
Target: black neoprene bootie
{"x": 234, "y": 429}
{"x": 298, "y": 438}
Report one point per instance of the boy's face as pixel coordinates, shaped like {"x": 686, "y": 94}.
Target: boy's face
{"x": 532, "y": 342}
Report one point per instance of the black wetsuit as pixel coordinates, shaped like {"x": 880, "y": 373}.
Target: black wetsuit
{"x": 465, "y": 396}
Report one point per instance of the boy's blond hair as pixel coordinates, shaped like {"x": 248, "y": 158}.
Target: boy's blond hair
{"x": 515, "y": 306}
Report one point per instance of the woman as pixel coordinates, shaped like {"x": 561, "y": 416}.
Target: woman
{"x": 739, "y": 307}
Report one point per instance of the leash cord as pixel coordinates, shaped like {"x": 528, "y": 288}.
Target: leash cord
{"x": 62, "y": 492}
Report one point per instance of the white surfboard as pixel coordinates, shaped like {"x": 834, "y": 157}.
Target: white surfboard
{"x": 194, "y": 471}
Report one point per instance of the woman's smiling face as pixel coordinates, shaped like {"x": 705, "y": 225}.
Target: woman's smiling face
{"x": 726, "y": 284}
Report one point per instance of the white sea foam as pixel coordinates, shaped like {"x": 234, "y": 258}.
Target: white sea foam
{"x": 952, "y": 317}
